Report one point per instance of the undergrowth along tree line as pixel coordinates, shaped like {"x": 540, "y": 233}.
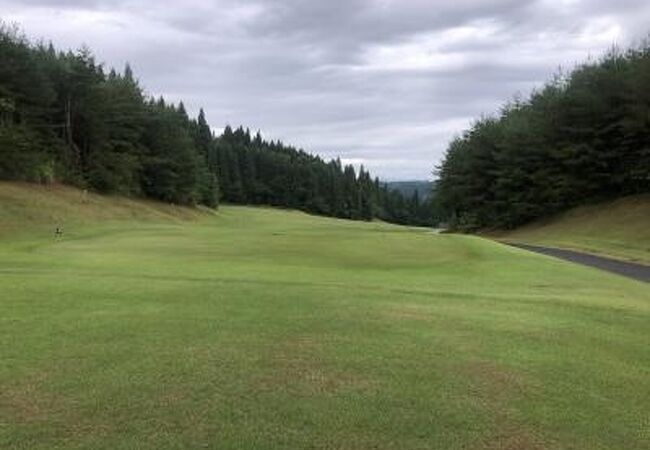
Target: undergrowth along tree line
{"x": 63, "y": 117}
{"x": 583, "y": 137}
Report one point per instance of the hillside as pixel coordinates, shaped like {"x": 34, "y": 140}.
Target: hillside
{"x": 619, "y": 228}
{"x": 408, "y": 188}
{"x": 264, "y": 328}
{"x": 97, "y": 128}
{"x": 28, "y": 209}
{"x": 582, "y": 136}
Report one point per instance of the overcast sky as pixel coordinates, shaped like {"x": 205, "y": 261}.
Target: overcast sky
{"x": 385, "y": 83}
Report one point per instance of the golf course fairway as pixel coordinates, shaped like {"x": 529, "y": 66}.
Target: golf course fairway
{"x": 257, "y": 328}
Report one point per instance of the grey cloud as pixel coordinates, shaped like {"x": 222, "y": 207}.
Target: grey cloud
{"x": 385, "y": 83}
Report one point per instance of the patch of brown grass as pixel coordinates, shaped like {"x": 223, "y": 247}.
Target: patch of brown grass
{"x": 508, "y": 437}
{"x": 25, "y": 402}
{"x": 494, "y": 386}
{"x": 408, "y": 311}
{"x": 492, "y": 379}
{"x": 299, "y": 366}
{"x": 34, "y": 206}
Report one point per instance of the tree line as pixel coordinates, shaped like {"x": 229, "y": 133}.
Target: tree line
{"x": 65, "y": 118}
{"x": 584, "y": 136}
{"x": 254, "y": 171}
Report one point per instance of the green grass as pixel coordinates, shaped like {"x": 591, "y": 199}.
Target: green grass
{"x": 258, "y": 328}
{"x": 620, "y": 229}
{"x": 31, "y": 209}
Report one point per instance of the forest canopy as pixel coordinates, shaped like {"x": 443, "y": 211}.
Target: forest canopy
{"x": 65, "y": 118}
{"x": 583, "y": 137}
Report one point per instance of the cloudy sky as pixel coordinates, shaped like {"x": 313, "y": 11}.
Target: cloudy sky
{"x": 384, "y": 83}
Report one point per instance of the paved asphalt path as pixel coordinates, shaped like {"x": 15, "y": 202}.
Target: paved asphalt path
{"x": 639, "y": 272}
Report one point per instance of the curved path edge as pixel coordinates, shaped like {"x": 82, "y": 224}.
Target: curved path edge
{"x": 638, "y": 272}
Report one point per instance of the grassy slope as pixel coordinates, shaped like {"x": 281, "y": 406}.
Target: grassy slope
{"x": 31, "y": 208}
{"x": 620, "y": 229}
{"x": 258, "y": 328}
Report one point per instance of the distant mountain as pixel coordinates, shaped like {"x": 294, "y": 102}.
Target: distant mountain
{"x": 407, "y": 188}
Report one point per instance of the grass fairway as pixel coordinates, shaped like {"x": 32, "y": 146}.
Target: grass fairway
{"x": 619, "y": 229}
{"x": 265, "y": 329}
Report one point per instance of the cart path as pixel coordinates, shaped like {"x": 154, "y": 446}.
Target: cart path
{"x": 636, "y": 271}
